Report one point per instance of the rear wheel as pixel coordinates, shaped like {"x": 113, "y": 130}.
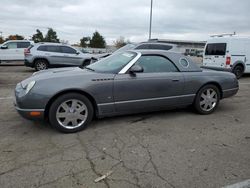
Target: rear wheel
{"x": 207, "y": 99}
{"x": 238, "y": 71}
{"x": 41, "y": 64}
{"x": 71, "y": 112}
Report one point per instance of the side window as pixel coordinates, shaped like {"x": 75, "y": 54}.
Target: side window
{"x": 142, "y": 47}
{"x": 160, "y": 47}
{"x": 216, "y": 49}
{"x": 12, "y": 45}
{"x": 153, "y": 63}
{"x": 53, "y": 49}
{"x": 23, "y": 44}
{"x": 42, "y": 48}
{"x": 68, "y": 50}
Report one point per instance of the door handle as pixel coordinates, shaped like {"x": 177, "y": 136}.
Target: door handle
{"x": 175, "y": 80}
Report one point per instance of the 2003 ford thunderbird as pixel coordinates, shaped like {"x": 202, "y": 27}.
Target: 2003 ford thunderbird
{"x": 128, "y": 82}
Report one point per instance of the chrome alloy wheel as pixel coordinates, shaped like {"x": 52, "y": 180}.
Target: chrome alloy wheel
{"x": 72, "y": 114}
{"x": 41, "y": 65}
{"x": 208, "y": 99}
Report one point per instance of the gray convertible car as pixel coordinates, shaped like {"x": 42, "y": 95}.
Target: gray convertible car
{"x": 124, "y": 83}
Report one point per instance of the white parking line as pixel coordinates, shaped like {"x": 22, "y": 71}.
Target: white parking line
{"x": 6, "y": 98}
{"x": 245, "y": 83}
{"x": 243, "y": 184}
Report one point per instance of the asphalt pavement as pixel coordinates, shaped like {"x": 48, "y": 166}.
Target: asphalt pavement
{"x": 176, "y": 148}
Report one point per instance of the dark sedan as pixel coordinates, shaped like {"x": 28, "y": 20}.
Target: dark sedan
{"x": 124, "y": 83}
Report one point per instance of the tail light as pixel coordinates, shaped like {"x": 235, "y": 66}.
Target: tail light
{"x": 228, "y": 61}
{"x": 26, "y": 51}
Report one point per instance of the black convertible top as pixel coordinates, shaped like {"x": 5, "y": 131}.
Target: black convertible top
{"x": 183, "y": 63}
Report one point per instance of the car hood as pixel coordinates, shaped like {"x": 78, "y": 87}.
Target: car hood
{"x": 62, "y": 74}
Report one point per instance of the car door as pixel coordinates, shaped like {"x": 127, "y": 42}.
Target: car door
{"x": 160, "y": 85}
{"x": 215, "y": 55}
{"x": 9, "y": 53}
{"x": 54, "y": 54}
{"x": 71, "y": 56}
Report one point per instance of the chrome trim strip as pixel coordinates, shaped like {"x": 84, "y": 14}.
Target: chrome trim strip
{"x": 130, "y": 64}
{"x": 225, "y": 90}
{"x": 144, "y": 100}
{"x": 29, "y": 110}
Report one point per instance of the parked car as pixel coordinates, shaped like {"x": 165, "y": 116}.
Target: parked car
{"x": 123, "y": 83}
{"x": 228, "y": 53}
{"x": 13, "y": 50}
{"x": 151, "y": 45}
{"x": 42, "y": 56}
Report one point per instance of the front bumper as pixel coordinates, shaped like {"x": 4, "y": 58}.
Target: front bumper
{"x": 20, "y": 103}
{"x": 31, "y": 114}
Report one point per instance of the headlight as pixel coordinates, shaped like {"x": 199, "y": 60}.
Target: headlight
{"x": 29, "y": 86}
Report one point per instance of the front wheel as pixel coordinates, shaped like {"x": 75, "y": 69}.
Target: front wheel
{"x": 207, "y": 99}
{"x": 71, "y": 112}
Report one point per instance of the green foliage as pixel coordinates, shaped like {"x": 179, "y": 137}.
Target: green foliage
{"x": 84, "y": 42}
{"x": 38, "y": 37}
{"x": 97, "y": 41}
{"x": 51, "y": 36}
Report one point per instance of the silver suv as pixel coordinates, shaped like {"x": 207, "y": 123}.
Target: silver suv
{"x": 42, "y": 56}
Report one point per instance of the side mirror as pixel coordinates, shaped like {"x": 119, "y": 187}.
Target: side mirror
{"x": 4, "y": 47}
{"x": 77, "y": 53}
{"x": 136, "y": 69}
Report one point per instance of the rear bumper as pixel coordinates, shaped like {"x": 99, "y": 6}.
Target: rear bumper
{"x": 230, "y": 92}
{"x": 217, "y": 68}
{"x": 27, "y": 63}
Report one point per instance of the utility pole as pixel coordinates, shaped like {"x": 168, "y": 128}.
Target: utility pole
{"x": 1, "y": 34}
{"x": 150, "y": 24}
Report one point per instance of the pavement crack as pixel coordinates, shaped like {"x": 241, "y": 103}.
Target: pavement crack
{"x": 92, "y": 164}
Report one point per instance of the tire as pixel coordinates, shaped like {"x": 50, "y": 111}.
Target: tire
{"x": 238, "y": 71}
{"x": 204, "y": 104}
{"x": 68, "y": 119}
{"x": 41, "y": 64}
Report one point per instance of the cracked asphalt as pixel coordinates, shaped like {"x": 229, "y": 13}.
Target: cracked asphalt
{"x": 176, "y": 148}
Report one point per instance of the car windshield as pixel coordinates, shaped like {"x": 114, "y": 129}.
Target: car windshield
{"x": 113, "y": 63}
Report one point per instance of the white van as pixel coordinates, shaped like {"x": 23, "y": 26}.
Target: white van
{"x": 13, "y": 50}
{"x": 228, "y": 53}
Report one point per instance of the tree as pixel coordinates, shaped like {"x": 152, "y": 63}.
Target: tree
{"x": 97, "y": 41}
{"x": 84, "y": 42}
{"x": 1, "y": 40}
{"x": 120, "y": 42}
{"x": 51, "y": 36}
{"x": 38, "y": 37}
{"x": 15, "y": 37}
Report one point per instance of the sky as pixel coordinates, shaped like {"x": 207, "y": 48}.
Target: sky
{"x": 172, "y": 19}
